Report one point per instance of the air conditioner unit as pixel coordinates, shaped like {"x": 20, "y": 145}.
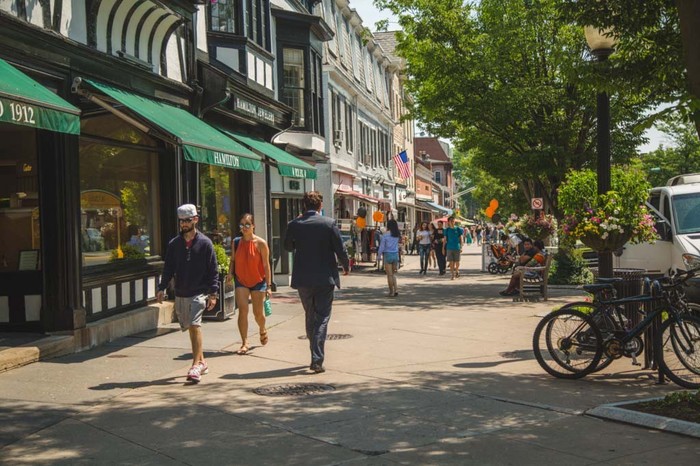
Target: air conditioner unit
{"x": 338, "y": 137}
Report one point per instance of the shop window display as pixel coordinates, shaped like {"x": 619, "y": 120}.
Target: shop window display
{"x": 19, "y": 199}
{"x": 118, "y": 192}
{"x": 219, "y": 208}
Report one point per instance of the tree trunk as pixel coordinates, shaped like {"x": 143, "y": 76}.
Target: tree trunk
{"x": 689, "y": 15}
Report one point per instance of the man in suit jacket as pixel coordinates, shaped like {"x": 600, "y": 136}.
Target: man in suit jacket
{"x": 317, "y": 246}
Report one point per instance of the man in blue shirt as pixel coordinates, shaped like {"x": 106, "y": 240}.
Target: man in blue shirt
{"x": 191, "y": 261}
{"x": 452, "y": 248}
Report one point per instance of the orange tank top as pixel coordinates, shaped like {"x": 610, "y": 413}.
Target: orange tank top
{"x": 248, "y": 264}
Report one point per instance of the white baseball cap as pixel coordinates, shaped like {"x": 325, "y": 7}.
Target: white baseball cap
{"x": 186, "y": 211}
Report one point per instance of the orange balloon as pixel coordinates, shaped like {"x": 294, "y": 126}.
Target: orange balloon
{"x": 378, "y": 216}
{"x": 361, "y": 222}
{"x": 493, "y": 204}
{"x": 489, "y": 212}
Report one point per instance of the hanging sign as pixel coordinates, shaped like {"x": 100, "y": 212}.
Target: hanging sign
{"x": 537, "y": 203}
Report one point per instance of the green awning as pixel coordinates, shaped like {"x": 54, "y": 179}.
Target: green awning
{"x": 287, "y": 164}
{"x": 25, "y": 102}
{"x": 200, "y": 142}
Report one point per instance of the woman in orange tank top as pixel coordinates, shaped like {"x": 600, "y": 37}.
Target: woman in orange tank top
{"x": 250, "y": 268}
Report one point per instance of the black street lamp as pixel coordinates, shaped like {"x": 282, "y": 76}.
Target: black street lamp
{"x": 602, "y": 43}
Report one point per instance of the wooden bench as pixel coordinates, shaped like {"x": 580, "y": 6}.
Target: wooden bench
{"x": 532, "y": 283}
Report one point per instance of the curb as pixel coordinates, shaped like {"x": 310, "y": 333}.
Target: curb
{"x": 46, "y": 348}
{"x": 617, "y": 412}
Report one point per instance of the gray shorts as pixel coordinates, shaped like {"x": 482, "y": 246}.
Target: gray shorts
{"x": 452, "y": 255}
{"x": 189, "y": 311}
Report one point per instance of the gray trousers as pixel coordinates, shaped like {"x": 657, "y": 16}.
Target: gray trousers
{"x": 317, "y": 302}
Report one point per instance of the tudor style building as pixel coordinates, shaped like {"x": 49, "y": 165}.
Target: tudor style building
{"x": 113, "y": 112}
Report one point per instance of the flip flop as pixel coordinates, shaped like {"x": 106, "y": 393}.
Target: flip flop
{"x": 242, "y": 350}
{"x": 263, "y": 338}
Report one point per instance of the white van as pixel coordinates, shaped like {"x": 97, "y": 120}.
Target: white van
{"x": 677, "y": 208}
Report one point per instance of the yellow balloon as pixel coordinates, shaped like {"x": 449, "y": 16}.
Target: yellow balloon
{"x": 361, "y": 222}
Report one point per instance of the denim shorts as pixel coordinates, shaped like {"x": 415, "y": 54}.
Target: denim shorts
{"x": 262, "y": 286}
{"x": 391, "y": 257}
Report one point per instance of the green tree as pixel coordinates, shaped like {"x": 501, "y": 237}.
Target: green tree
{"x": 683, "y": 156}
{"x": 659, "y": 45}
{"x": 510, "y": 81}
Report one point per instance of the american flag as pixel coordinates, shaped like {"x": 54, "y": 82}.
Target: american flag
{"x": 402, "y": 164}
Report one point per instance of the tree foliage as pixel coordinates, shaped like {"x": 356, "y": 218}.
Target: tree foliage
{"x": 683, "y": 156}
{"x": 659, "y": 48}
{"x": 511, "y": 83}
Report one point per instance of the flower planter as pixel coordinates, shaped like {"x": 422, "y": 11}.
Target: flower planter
{"x": 225, "y": 305}
{"x": 614, "y": 241}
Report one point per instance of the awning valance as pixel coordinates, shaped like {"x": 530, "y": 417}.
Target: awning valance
{"x": 25, "y": 102}
{"x": 287, "y": 164}
{"x": 200, "y": 142}
{"x": 347, "y": 191}
{"x": 437, "y": 207}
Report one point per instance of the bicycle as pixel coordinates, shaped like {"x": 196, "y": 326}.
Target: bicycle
{"x": 578, "y": 336}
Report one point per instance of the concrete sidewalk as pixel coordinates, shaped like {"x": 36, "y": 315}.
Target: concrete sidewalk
{"x": 442, "y": 374}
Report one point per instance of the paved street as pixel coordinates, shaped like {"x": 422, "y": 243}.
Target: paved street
{"x": 441, "y": 374}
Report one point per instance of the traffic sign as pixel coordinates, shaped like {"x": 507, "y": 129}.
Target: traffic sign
{"x": 537, "y": 203}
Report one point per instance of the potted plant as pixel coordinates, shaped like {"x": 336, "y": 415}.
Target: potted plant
{"x": 225, "y": 304}
{"x": 605, "y": 222}
{"x": 537, "y": 226}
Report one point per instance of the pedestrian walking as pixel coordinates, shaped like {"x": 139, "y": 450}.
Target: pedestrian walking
{"x": 191, "y": 261}
{"x": 389, "y": 247}
{"x": 433, "y": 259}
{"x": 454, "y": 239}
{"x": 439, "y": 246}
{"x": 468, "y": 236}
{"x": 317, "y": 247}
{"x": 423, "y": 237}
{"x": 250, "y": 270}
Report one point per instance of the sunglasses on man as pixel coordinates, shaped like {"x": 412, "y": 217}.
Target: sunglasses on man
{"x": 185, "y": 220}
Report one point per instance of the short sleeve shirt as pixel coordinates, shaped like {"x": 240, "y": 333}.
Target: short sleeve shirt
{"x": 452, "y": 235}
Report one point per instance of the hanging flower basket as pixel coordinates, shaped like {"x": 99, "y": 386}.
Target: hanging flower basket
{"x": 612, "y": 242}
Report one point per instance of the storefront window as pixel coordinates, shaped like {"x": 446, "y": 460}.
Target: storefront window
{"x": 20, "y": 240}
{"x": 219, "y": 216}
{"x": 118, "y": 192}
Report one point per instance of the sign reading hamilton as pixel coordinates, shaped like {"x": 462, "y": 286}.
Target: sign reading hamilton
{"x": 227, "y": 160}
{"x": 249, "y": 108}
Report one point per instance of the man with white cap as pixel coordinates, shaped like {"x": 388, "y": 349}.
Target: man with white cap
{"x": 191, "y": 260}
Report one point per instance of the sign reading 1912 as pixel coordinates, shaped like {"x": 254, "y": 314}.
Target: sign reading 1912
{"x": 17, "y": 112}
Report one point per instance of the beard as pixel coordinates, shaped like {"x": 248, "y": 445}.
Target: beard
{"x": 186, "y": 228}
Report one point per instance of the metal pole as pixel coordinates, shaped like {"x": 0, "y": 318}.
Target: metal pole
{"x": 605, "y": 262}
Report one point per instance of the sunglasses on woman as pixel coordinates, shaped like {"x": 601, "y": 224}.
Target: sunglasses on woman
{"x": 244, "y": 225}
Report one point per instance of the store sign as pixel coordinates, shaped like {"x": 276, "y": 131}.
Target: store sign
{"x": 227, "y": 160}
{"x": 17, "y": 113}
{"x": 249, "y": 108}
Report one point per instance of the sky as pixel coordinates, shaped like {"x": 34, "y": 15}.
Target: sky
{"x": 370, "y": 15}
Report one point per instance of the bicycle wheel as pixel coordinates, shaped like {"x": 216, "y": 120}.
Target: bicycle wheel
{"x": 567, "y": 344}
{"x": 678, "y": 344}
{"x": 605, "y": 323}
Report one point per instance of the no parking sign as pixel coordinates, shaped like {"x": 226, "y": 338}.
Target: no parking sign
{"x": 537, "y": 203}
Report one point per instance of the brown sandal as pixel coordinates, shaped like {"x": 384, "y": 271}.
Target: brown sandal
{"x": 263, "y": 338}
{"x": 242, "y": 350}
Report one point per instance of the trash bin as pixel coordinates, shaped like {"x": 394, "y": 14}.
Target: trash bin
{"x": 631, "y": 285}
